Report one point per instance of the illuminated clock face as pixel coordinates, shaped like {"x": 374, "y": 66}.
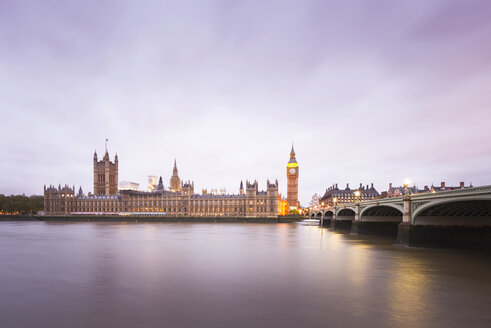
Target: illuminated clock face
{"x": 292, "y": 171}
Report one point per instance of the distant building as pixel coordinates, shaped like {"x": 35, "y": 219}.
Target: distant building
{"x": 283, "y": 208}
{"x": 315, "y": 201}
{"x": 180, "y": 200}
{"x": 336, "y": 196}
{"x": 444, "y": 187}
{"x": 152, "y": 182}
{"x": 401, "y": 191}
{"x": 128, "y": 185}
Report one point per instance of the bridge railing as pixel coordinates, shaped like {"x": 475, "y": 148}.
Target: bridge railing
{"x": 457, "y": 192}
{"x": 431, "y": 195}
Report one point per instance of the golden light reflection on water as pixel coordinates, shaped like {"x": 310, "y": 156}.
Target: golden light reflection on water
{"x": 335, "y": 241}
{"x": 358, "y": 262}
{"x": 407, "y": 292}
{"x": 149, "y": 231}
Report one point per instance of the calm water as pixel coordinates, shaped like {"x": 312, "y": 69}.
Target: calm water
{"x": 232, "y": 275}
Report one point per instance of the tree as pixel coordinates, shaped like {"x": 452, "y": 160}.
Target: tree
{"x": 21, "y": 204}
{"x": 294, "y": 211}
{"x": 2, "y": 203}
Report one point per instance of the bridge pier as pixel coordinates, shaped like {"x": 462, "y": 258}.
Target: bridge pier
{"x": 325, "y": 221}
{"x": 342, "y": 219}
{"x": 355, "y": 227}
{"x": 375, "y": 223}
{"x": 405, "y": 229}
{"x": 342, "y": 223}
{"x": 333, "y": 218}
{"x": 355, "y": 224}
{"x": 385, "y": 227}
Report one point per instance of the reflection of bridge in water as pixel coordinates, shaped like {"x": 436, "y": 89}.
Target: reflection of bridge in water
{"x": 459, "y": 217}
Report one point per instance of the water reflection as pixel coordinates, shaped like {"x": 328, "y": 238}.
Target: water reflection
{"x": 234, "y": 275}
{"x": 407, "y": 286}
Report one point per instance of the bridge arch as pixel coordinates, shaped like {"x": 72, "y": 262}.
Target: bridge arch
{"x": 382, "y": 213}
{"x": 345, "y": 212}
{"x": 328, "y": 213}
{"x": 397, "y": 207}
{"x": 456, "y": 211}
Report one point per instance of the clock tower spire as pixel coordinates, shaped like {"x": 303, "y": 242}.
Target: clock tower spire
{"x": 292, "y": 178}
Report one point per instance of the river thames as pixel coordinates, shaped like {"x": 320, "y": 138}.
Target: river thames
{"x": 232, "y": 275}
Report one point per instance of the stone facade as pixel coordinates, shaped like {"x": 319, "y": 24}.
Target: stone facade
{"x": 105, "y": 175}
{"x": 175, "y": 182}
{"x": 335, "y": 196}
{"x": 180, "y": 200}
{"x": 401, "y": 191}
{"x": 292, "y": 181}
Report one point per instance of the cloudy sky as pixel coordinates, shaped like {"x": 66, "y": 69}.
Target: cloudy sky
{"x": 369, "y": 91}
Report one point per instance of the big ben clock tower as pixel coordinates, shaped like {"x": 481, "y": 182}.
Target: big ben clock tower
{"x": 292, "y": 178}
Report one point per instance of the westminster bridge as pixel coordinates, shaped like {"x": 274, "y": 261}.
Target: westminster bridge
{"x": 460, "y": 217}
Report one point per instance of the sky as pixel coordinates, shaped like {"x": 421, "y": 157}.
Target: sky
{"x": 368, "y": 91}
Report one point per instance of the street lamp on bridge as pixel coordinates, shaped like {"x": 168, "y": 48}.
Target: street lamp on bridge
{"x": 357, "y": 195}
{"x": 406, "y": 185}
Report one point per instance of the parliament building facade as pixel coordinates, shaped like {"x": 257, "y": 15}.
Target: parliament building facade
{"x": 179, "y": 200}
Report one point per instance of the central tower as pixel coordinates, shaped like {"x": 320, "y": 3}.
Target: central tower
{"x": 175, "y": 182}
{"x": 292, "y": 178}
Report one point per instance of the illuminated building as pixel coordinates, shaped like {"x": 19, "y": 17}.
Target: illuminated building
{"x": 175, "y": 182}
{"x": 336, "y": 196}
{"x": 179, "y": 200}
{"x": 292, "y": 181}
{"x": 400, "y": 191}
{"x": 152, "y": 182}
{"x": 282, "y": 206}
{"x": 128, "y": 185}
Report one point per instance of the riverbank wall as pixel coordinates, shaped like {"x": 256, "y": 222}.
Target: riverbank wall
{"x": 136, "y": 219}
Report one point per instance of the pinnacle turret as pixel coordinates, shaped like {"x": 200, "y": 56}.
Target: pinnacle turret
{"x": 292, "y": 156}
{"x": 175, "y": 182}
{"x": 174, "y": 171}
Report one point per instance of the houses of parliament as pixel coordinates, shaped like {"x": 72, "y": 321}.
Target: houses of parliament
{"x": 179, "y": 200}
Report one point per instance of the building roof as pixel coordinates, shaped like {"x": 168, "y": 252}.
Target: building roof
{"x": 334, "y": 191}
